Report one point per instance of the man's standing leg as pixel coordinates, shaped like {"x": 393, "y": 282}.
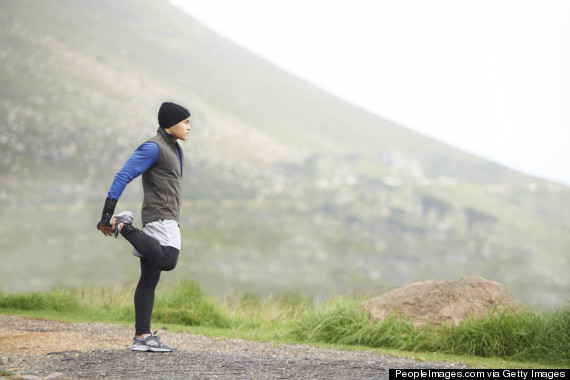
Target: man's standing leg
{"x": 144, "y": 340}
{"x": 144, "y": 297}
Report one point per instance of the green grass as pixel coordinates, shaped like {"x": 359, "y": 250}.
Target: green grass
{"x": 186, "y": 304}
{"x": 58, "y": 300}
{"x": 523, "y": 339}
{"x": 524, "y": 336}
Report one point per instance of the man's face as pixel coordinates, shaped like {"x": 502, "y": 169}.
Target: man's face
{"x": 180, "y": 131}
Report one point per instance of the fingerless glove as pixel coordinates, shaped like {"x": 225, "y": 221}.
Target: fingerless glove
{"x": 108, "y": 211}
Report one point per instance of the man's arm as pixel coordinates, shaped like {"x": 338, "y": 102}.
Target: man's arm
{"x": 140, "y": 161}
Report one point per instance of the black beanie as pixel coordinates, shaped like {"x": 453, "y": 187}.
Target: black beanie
{"x": 171, "y": 114}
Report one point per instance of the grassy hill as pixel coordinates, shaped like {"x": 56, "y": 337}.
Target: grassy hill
{"x": 287, "y": 188}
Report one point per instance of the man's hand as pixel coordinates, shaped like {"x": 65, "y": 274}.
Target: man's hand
{"x": 108, "y": 230}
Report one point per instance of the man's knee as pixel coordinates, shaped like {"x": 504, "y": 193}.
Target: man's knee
{"x": 170, "y": 266}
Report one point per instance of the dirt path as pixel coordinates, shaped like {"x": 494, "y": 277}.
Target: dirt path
{"x": 94, "y": 351}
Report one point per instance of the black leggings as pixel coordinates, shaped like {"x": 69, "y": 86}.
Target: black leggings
{"x": 156, "y": 259}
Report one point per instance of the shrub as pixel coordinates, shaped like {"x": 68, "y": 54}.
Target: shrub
{"x": 186, "y": 304}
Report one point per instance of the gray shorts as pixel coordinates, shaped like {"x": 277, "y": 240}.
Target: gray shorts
{"x": 166, "y": 231}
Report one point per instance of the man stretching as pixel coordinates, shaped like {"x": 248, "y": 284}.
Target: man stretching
{"x": 160, "y": 160}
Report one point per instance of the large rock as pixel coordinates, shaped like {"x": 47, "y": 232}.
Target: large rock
{"x": 439, "y": 302}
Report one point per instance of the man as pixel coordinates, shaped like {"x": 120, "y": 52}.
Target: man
{"x": 160, "y": 160}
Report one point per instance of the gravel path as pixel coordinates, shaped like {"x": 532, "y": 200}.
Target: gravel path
{"x": 93, "y": 350}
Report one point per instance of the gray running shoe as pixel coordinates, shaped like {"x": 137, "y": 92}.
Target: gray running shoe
{"x": 150, "y": 343}
{"x": 124, "y": 217}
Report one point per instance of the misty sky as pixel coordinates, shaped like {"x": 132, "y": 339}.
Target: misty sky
{"x": 488, "y": 76}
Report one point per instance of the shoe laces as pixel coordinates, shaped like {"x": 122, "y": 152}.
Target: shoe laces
{"x": 117, "y": 228}
{"x": 152, "y": 335}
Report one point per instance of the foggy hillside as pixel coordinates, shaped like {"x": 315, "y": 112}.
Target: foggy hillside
{"x": 287, "y": 188}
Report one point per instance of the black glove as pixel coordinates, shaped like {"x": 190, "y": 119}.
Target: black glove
{"x": 108, "y": 211}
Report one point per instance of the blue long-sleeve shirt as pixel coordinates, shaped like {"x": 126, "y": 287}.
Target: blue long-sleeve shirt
{"x": 140, "y": 161}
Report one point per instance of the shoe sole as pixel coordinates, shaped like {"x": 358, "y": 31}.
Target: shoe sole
{"x": 149, "y": 348}
{"x": 119, "y": 217}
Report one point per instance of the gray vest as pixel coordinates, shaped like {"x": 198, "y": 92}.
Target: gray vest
{"x": 162, "y": 183}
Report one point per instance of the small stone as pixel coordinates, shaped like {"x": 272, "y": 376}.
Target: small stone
{"x": 30, "y": 377}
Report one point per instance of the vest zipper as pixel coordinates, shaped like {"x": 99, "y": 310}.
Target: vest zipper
{"x": 166, "y": 192}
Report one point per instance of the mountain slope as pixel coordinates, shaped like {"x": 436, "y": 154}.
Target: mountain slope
{"x": 109, "y": 63}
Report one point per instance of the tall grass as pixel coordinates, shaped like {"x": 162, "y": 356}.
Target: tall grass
{"x": 526, "y": 335}
{"x": 523, "y": 336}
{"x": 57, "y": 300}
{"x": 186, "y": 304}
{"x": 183, "y": 304}
{"x": 272, "y": 309}
{"x": 343, "y": 321}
